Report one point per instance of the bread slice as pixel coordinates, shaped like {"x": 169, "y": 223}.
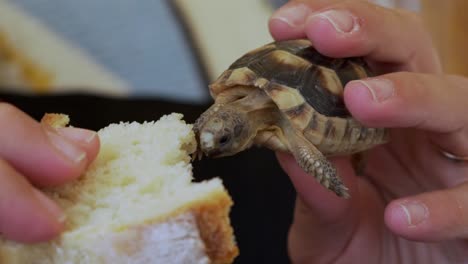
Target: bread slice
{"x": 137, "y": 204}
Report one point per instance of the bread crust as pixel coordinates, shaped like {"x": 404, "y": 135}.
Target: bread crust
{"x": 204, "y": 236}
{"x": 212, "y": 216}
{"x": 55, "y": 120}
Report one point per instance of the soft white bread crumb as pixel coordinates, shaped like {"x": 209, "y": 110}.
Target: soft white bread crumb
{"x": 137, "y": 204}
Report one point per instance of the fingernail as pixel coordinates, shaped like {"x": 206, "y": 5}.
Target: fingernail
{"x": 50, "y": 206}
{"x": 294, "y": 15}
{"x": 343, "y": 21}
{"x": 380, "y": 89}
{"x": 416, "y": 212}
{"x": 77, "y": 134}
{"x": 65, "y": 146}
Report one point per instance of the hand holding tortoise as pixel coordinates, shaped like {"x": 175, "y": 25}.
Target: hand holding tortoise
{"x": 411, "y": 192}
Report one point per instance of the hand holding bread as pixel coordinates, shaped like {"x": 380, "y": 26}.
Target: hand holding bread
{"x": 135, "y": 203}
{"x": 36, "y": 155}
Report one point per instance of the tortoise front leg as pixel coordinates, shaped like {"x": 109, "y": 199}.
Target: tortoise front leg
{"x": 312, "y": 161}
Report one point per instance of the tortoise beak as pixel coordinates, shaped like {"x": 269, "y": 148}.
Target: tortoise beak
{"x": 204, "y": 149}
{"x": 209, "y": 153}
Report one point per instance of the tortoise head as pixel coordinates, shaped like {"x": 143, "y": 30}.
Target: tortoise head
{"x": 222, "y": 131}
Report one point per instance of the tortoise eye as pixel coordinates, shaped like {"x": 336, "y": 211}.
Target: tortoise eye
{"x": 224, "y": 139}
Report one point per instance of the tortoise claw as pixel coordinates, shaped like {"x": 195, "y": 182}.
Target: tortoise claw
{"x": 313, "y": 162}
{"x": 317, "y": 165}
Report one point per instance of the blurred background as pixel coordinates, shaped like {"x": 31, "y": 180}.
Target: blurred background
{"x": 166, "y": 48}
{"x": 118, "y": 60}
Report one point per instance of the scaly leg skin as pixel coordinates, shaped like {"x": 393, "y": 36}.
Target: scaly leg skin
{"x": 315, "y": 163}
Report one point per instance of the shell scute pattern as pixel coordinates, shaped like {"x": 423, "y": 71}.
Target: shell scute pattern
{"x": 293, "y": 46}
{"x": 246, "y": 59}
{"x": 326, "y": 101}
{"x": 300, "y": 115}
{"x": 295, "y": 64}
{"x": 279, "y": 67}
{"x": 284, "y": 97}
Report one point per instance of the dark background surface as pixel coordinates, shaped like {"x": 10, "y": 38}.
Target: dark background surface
{"x": 262, "y": 193}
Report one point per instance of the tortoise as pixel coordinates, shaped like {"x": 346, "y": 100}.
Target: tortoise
{"x": 288, "y": 97}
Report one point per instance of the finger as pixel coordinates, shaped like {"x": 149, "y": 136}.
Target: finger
{"x": 359, "y": 28}
{"x": 26, "y": 215}
{"x": 313, "y": 195}
{"x": 434, "y": 216}
{"x": 324, "y": 225}
{"x": 288, "y": 22}
{"x": 435, "y": 103}
{"x": 432, "y": 102}
{"x": 321, "y": 218}
{"x": 46, "y": 156}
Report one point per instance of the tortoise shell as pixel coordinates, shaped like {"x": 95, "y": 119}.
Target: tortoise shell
{"x": 281, "y": 66}
{"x": 307, "y": 87}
